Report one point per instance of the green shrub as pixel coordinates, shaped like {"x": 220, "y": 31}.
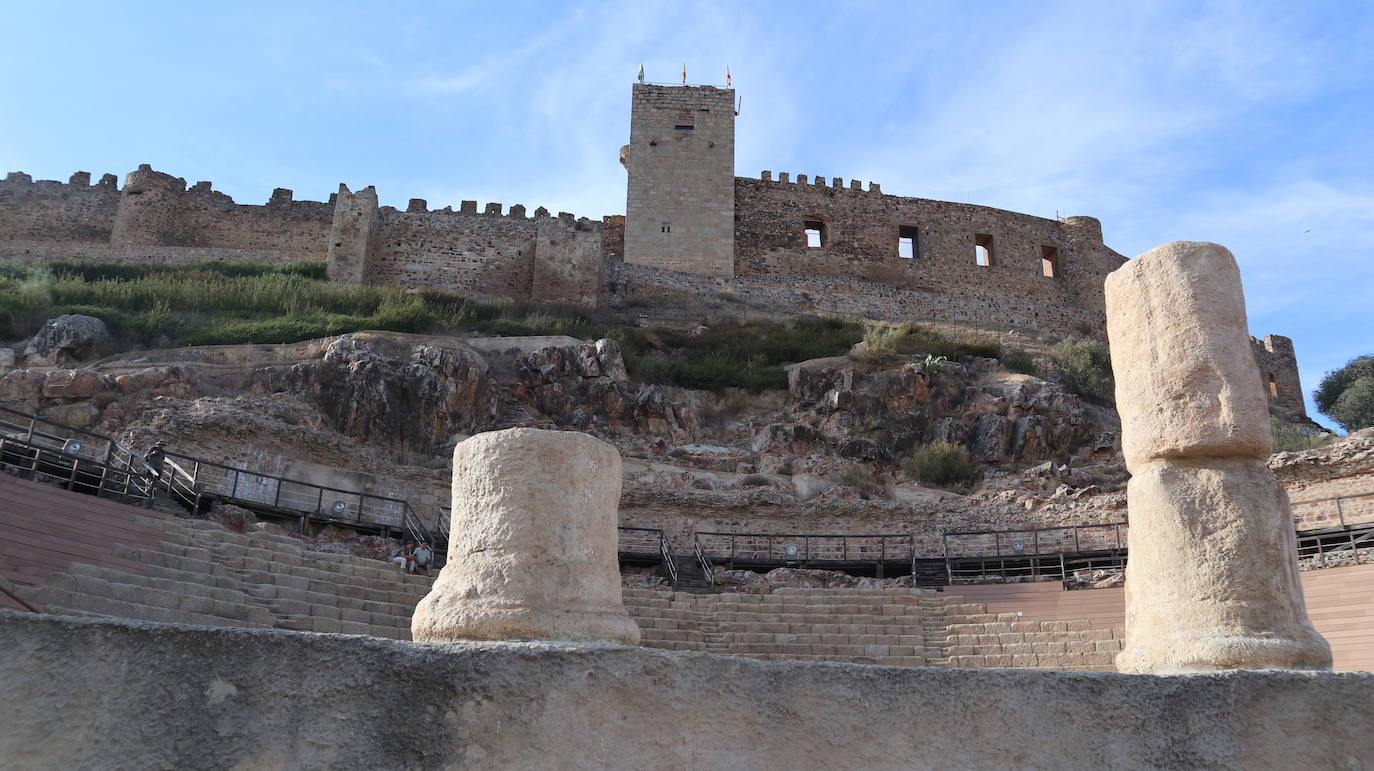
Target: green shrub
{"x": 1346, "y": 395}
{"x": 1087, "y": 366}
{"x": 856, "y": 476}
{"x": 23, "y": 303}
{"x": 1015, "y": 360}
{"x": 942, "y": 464}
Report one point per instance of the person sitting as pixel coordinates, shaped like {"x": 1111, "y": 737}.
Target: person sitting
{"x": 422, "y": 558}
{"x": 406, "y": 557}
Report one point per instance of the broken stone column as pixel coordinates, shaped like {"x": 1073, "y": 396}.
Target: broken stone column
{"x": 1212, "y": 581}
{"x": 533, "y": 543}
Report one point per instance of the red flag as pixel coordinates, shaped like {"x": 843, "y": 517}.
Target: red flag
{"x": 727, "y": 76}
{"x": 684, "y": 73}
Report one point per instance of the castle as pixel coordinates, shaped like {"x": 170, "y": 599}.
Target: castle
{"x": 692, "y": 231}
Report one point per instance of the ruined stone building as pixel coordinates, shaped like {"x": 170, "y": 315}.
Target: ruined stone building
{"x": 692, "y": 233}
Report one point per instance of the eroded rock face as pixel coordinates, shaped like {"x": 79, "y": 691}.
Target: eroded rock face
{"x": 1212, "y": 582}
{"x": 419, "y": 403}
{"x": 70, "y": 337}
{"x": 533, "y": 554}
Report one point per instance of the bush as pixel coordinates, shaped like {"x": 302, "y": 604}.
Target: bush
{"x": 1346, "y": 395}
{"x": 1014, "y": 360}
{"x": 1087, "y": 366}
{"x": 941, "y": 464}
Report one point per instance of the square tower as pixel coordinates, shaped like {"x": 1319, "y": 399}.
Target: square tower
{"x": 680, "y": 209}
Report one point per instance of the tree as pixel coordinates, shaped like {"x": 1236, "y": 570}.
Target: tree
{"x": 1346, "y": 395}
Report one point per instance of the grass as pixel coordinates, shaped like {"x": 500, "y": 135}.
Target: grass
{"x": 1290, "y": 438}
{"x": 232, "y": 303}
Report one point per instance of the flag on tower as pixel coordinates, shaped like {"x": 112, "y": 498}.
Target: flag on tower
{"x": 641, "y": 72}
{"x": 684, "y": 73}
{"x": 727, "y": 76}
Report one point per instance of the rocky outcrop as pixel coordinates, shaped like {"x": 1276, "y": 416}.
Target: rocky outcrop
{"x": 878, "y": 418}
{"x": 67, "y": 338}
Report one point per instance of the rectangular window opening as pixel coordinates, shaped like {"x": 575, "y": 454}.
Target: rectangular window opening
{"x": 906, "y": 242}
{"x": 982, "y": 250}
{"x": 1049, "y": 261}
{"x": 684, "y": 127}
{"x": 815, "y": 233}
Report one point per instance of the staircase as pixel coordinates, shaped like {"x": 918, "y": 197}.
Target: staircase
{"x": 690, "y": 576}
{"x": 901, "y": 627}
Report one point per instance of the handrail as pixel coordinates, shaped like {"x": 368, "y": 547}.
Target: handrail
{"x": 197, "y": 477}
{"x": 668, "y": 562}
{"x": 704, "y": 560}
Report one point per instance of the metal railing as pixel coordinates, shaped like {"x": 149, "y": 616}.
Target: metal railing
{"x": 807, "y": 548}
{"x": 1037, "y": 554}
{"x": 1333, "y": 511}
{"x": 648, "y": 542}
{"x": 704, "y": 560}
{"x": 89, "y": 459}
{"x": 1354, "y": 546}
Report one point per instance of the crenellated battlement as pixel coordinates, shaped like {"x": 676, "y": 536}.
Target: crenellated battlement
{"x": 835, "y": 183}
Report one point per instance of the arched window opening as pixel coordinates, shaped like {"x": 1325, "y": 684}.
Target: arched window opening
{"x": 815, "y": 233}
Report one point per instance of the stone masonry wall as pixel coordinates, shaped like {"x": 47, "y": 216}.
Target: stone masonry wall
{"x": 680, "y": 207}
{"x": 488, "y": 253}
{"x": 1278, "y": 367}
{"x": 860, "y": 241}
{"x": 156, "y": 209}
{"x": 51, "y": 212}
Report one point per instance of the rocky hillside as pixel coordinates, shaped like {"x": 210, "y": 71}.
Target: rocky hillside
{"x": 382, "y": 410}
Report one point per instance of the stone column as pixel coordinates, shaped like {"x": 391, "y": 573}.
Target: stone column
{"x": 1212, "y": 581}
{"x": 532, "y": 550}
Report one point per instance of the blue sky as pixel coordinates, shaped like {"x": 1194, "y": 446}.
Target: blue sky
{"x": 1249, "y": 124}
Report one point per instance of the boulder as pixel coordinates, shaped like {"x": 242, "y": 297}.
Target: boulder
{"x": 70, "y": 337}
{"x": 808, "y": 486}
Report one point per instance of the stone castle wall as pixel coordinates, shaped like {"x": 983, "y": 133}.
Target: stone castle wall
{"x": 680, "y": 206}
{"x": 860, "y": 235}
{"x": 857, "y": 271}
{"x": 52, "y": 212}
{"x": 1278, "y": 367}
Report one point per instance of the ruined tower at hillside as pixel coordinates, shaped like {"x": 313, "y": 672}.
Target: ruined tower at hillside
{"x": 680, "y": 207}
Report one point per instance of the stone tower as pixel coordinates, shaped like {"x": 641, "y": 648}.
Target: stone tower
{"x": 680, "y": 211}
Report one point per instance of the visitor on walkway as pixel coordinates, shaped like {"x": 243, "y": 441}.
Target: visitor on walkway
{"x": 156, "y": 459}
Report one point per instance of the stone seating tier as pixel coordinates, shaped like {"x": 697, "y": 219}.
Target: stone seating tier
{"x": 199, "y": 573}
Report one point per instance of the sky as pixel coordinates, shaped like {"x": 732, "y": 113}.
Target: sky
{"x": 1249, "y": 124}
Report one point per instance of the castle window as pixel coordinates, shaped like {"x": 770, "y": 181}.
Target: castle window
{"x": 1273, "y": 387}
{"x": 666, "y": 227}
{"x": 684, "y": 127}
{"x": 1049, "y": 261}
{"x": 906, "y": 242}
{"x": 815, "y": 233}
{"x": 982, "y": 250}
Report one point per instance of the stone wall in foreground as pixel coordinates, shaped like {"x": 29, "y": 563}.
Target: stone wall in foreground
{"x": 85, "y": 694}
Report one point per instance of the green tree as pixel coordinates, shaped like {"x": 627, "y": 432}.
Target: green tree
{"x": 1346, "y": 395}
